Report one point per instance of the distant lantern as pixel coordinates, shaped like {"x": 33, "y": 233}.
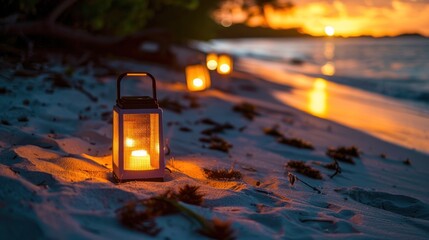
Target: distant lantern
{"x": 224, "y": 64}
{"x": 211, "y": 61}
{"x": 197, "y": 77}
{"x": 137, "y": 135}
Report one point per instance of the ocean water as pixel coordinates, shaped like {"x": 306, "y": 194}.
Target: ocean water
{"x": 396, "y": 67}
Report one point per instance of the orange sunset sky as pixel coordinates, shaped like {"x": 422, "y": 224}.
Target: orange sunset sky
{"x": 347, "y": 17}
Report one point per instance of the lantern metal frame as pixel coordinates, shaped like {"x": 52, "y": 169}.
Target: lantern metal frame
{"x": 135, "y": 105}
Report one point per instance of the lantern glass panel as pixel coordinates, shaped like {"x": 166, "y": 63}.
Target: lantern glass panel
{"x": 115, "y": 138}
{"x": 141, "y": 141}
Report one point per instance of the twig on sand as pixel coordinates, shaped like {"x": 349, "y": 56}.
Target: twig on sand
{"x": 334, "y": 166}
{"x": 293, "y": 178}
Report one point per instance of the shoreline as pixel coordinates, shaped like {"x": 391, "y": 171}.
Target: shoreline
{"x": 405, "y": 80}
{"x": 337, "y": 102}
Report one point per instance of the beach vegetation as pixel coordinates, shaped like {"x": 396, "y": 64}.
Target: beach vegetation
{"x": 140, "y": 215}
{"x": 407, "y": 162}
{"x": 247, "y": 110}
{"x": 216, "y": 143}
{"x": 343, "y": 154}
{"x": 304, "y": 169}
{"x": 293, "y": 142}
{"x": 223, "y": 174}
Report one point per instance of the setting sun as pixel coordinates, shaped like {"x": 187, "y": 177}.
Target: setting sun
{"x": 329, "y": 31}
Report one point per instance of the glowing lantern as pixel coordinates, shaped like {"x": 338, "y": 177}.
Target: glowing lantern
{"x": 224, "y": 64}
{"x": 211, "y": 61}
{"x": 197, "y": 77}
{"x": 137, "y": 135}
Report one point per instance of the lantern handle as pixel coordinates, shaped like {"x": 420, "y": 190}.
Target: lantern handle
{"x": 134, "y": 74}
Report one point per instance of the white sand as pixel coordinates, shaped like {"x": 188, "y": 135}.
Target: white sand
{"x": 56, "y": 180}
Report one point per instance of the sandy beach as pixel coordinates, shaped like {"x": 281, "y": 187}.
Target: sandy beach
{"x": 56, "y": 163}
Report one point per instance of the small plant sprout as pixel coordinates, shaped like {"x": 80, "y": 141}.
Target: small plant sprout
{"x": 334, "y": 166}
{"x": 293, "y": 178}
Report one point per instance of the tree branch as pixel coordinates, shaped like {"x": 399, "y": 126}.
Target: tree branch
{"x": 121, "y": 46}
{"x": 56, "y": 13}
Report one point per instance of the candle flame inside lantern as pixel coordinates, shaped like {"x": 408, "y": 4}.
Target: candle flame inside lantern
{"x": 139, "y": 153}
{"x": 197, "y": 77}
{"x": 197, "y": 82}
{"x": 224, "y": 68}
{"x": 211, "y": 61}
{"x": 129, "y": 142}
{"x": 212, "y": 64}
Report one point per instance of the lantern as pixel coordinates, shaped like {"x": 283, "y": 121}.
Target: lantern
{"x": 224, "y": 64}
{"x": 211, "y": 61}
{"x": 137, "y": 135}
{"x": 197, "y": 77}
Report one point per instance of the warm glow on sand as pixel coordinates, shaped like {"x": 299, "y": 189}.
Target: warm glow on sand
{"x": 329, "y": 31}
{"x": 317, "y": 98}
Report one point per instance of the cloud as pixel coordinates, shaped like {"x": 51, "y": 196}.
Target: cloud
{"x": 348, "y": 17}
{"x": 353, "y": 18}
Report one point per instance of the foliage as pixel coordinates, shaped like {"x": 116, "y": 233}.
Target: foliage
{"x": 121, "y": 17}
{"x": 190, "y": 194}
{"x": 186, "y": 23}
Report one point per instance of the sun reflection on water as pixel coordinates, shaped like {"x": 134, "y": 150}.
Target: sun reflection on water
{"x": 317, "y": 98}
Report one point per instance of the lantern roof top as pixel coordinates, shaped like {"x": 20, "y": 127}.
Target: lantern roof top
{"x": 137, "y": 102}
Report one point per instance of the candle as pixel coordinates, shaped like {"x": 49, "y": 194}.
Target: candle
{"x": 224, "y": 68}
{"x": 197, "y": 82}
{"x": 224, "y": 64}
{"x": 139, "y": 160}
{"x": 211, "y": 61}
